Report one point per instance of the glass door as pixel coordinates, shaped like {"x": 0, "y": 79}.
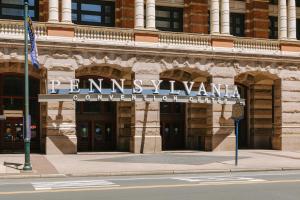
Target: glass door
{"x": 102, "y": 136}
{"x": 12, "y": 135}
{"x": 84, "y": 136}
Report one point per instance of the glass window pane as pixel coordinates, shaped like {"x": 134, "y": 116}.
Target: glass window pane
{"x": 31, "y": 13}
{"x": 176, "y": 15}
{"x": 91, "y": 7}
{"x": 163, "y": 24}
{"x": 16, "y": 2}
{"x": 163, "y": 13}
{"x": 108, "y": 20}
{"x": 108, "y": 9}
{"x": 74, "y": 17}
{"x": 91, "y": 18}
{"x": 12, "y": 12}
{"x": 74, "y": 6}
{"x": 176, "y": 25}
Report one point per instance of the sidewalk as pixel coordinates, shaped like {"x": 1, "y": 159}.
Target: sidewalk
{"x": 118, "y": 163}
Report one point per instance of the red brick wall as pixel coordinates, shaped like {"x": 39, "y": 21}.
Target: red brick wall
{"x": 43, "y": 10}
{"x": 195, "y": 14}
{"x": 124, "y": 13}
{"x": 257, "y": 19}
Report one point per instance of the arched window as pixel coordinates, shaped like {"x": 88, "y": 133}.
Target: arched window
{"x": 14, "y": 9}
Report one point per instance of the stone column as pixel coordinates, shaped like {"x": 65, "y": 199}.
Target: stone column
{"x": 67, "y": 11}
{"x": 282, "y": 13}
{"x": 214, "y": 17}
{"x": 139, "y": 14}
{"x": 225, "y": 20}
{"x": 292, "y": 19}
{"x": 150, "y": 14}
{"x": 53, "y": 11}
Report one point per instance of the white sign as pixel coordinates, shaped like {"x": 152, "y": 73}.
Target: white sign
{"x": 220, "y": 93}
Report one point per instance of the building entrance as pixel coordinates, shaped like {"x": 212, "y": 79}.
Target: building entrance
{"x": 172, "y": 123}
{"x": 96, "y": 130}
{"x": 96, "y": 123}
{"x": 244, "y": 131}
{"x": 11, "y": 105}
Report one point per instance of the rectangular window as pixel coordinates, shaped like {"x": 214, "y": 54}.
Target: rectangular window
{"x": 169, "y": 19}
{"x": 92, "y": 12}
{"x": 237, "y": 24}
{"x": 273, "y": 27}
{"x": 14, "y": 9}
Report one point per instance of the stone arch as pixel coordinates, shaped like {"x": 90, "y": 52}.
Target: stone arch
{"x": 104, "y": 70}
{"x": 196, "y": 116}
{"x": 261, "y": 126}
{"x": 18, "y": 68}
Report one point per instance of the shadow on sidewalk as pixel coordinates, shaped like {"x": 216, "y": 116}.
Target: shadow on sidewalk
{"x": 13, "y": 165}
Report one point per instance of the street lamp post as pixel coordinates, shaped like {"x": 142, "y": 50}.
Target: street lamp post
{"x": 237, "y": 115}
{"x": 26, "y": 125}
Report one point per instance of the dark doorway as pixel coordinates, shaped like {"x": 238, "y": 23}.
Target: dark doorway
{"x": 96, "y": 123}
{"x": 12, "y": 105}
{"x": 172, "y": 126}
{"x": 244, "y": 132}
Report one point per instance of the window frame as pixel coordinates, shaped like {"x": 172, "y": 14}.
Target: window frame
{"x": 273, "y": 30}
{"x": 171, "y": 20}
{"x": 233, "y": 18}
{"x": 102, "y": 14}
{"x": 35, "y": 9}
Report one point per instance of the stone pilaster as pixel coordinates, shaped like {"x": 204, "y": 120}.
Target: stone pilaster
{"x": 290, "y": 99}
{"x": 225, "y": 17}
{"x": 145, "y": 119}
{"x": 292, "y": 19}
{"x": 257, "y": 19}
{"x": 282, "y": 19}
{"x": 61, "y": 123}
{"x": 220, "y": 135}
{"x": 53, "y": 11}
{"x": 139, "y": 14}
{"x": 43, "y": 10}
{"x": 150, "y": 14}
{"x": 66, "y": 11}
{"x": 196, "y": 16}
{"x": 124, "y": 13}
{"x": 215, "y": 17}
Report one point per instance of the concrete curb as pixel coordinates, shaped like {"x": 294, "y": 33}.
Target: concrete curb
{"x": 130, "y": 173}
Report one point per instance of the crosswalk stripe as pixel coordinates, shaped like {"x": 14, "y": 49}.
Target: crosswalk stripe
{"x": 215, "y": 179}
{"x": 71, "y": 184}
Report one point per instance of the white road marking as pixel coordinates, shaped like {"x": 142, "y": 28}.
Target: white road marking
{"x": 217, "y": 179}
{"x": 71, "y": 184}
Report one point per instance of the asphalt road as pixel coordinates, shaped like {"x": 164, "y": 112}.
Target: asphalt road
{"x": 231, "y": 186}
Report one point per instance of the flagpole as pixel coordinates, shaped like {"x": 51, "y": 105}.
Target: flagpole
{"x": 26, "y": 125}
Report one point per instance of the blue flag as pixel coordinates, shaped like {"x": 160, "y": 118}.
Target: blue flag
{"x": 33, "y": 49}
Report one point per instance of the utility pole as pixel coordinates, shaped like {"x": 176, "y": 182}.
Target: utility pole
{"x": 26, "y": 125}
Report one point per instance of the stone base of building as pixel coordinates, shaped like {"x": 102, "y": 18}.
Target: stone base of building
{"x": 61, "y": 144}
{"x": 220, "y": 142}
{"x": 290, "y": 142}
{"x": 146, "y": 144}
